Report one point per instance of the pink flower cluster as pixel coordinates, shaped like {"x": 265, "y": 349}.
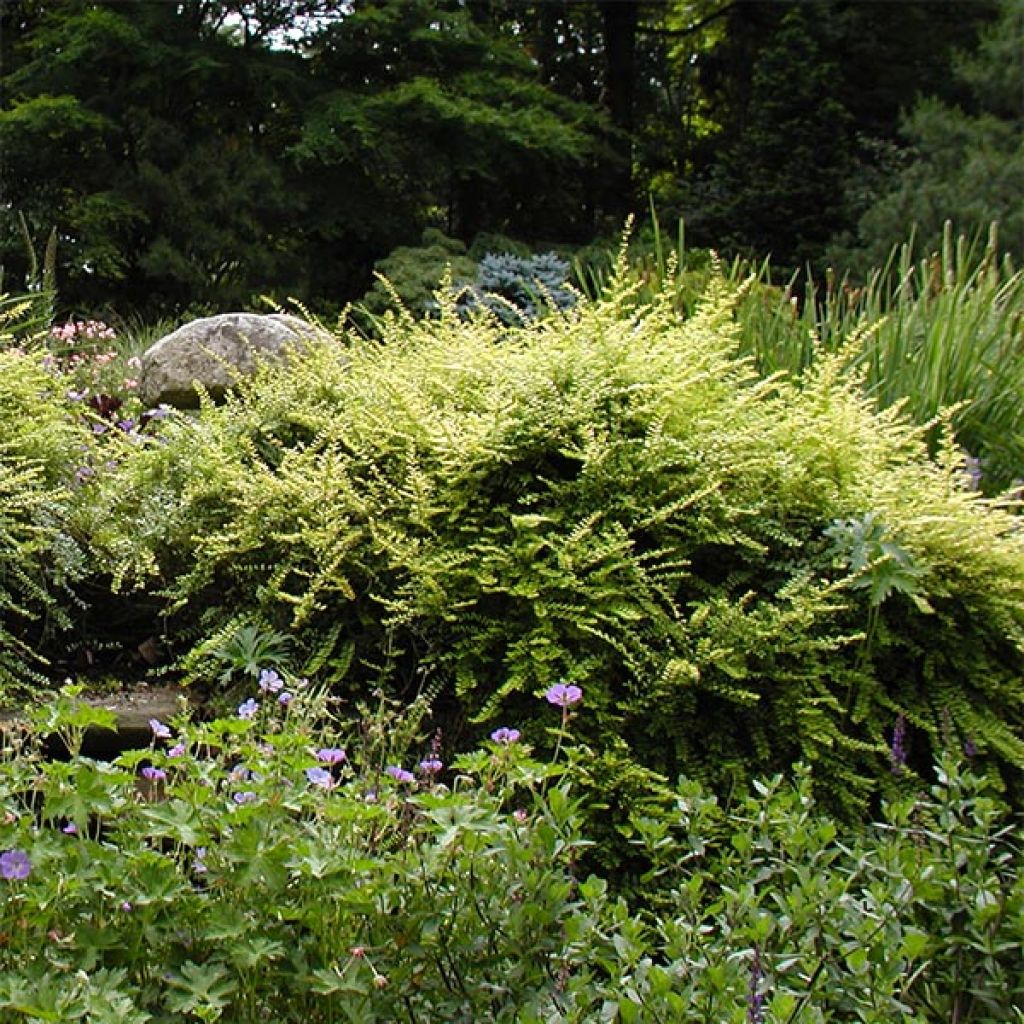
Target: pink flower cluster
{"x": 76, "y": 330}
{"x": 79, "y": 359}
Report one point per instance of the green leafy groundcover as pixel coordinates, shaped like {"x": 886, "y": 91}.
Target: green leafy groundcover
{"x": 742, "y": 573}
{"x": 273, "y": 865}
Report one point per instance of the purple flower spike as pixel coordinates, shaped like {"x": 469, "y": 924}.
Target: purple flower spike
{"x": 400, "y": 774}
{"x": 160, "y": 731}
{"x": 898, "y": 750}
{"x": 331, "y": 755}
{"x": 14, "y": 865}
{"x": 270, "y": 681}
{"x": 248, "y": 709}
{"x": 505, "y": 735}
{"x": 320, "y": 777}
{"x": 755, "y": 993}
{"x": 563, "y": 695}
{"x": 431, "y": 766}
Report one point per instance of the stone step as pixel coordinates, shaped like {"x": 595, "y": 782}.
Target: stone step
{"x": 133, "y": 707}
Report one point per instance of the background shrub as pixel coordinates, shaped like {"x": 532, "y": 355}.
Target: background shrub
{"x": 411, "y": 274}
{"x": 496, "y": 273}
{"x": 518, "y": 288}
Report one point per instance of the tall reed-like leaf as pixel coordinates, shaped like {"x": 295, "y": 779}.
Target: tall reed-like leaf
{"x": 943, "y": 330}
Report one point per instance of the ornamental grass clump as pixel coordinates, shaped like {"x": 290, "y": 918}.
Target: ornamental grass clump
{"x": 741, "y": 572}
{"x": 946, "y": 331}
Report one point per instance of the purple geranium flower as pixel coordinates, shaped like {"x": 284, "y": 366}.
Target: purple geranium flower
{"x": 505, "y": 735}
{"x": 246, "y": 797}
{"x": 178, "y": 750}
{"x": 320, "y": 777}
{"x": 431, "y": 765}
{"x": 284, "y": 698}
{"x": 563, "y": 695}
{"x": 270, "y": 681}
{"x": 400, "y": 774}
{"x": 153, "y": 774}
{"x": 14, "y": 865}
{"x": 248, "y": 709}
{"x": 159, "y": 730}
{"x": 331, "y": 755}
{"x": 70, "y": 829}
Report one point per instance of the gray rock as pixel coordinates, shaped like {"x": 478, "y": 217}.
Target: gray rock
{"x": 213, "y": 351}
{"x": 132, "y": 708}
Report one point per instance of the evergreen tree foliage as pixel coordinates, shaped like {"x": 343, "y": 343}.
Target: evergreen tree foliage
{"x": 967, "y": 160}
{"x": 778, "y": 185}
{"x": 147, "y": 140}
{"x": 800, "y": 111}
{"x": 519, "y": 288}
{"x": 199, "y": 153}
{"x": 202, "y": 153}
{"x": 429, "y": 116}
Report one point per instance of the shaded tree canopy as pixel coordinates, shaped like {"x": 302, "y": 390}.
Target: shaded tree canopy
{"x": 966, "y": 158}
{"x": 807, "y": 101}
{"x": 200, "y": 153}
{"x": 153, "y": 142}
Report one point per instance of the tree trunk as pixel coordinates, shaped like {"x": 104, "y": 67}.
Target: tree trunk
{"x": 620, "y": 29}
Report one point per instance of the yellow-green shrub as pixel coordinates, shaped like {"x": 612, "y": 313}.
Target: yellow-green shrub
{"x": 738, "y": 572}
{"x": 39, "y": 443}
